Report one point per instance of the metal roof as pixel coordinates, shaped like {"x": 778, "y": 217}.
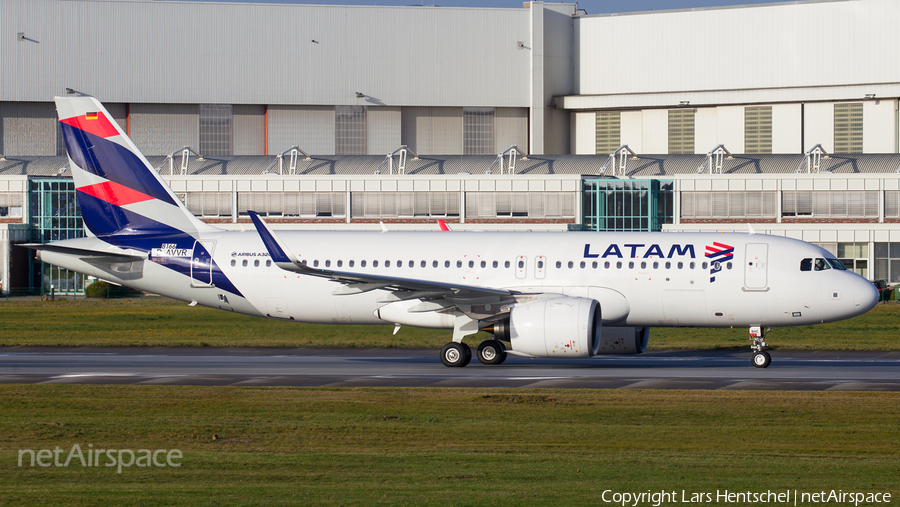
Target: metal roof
{"x": 645, "y": 166}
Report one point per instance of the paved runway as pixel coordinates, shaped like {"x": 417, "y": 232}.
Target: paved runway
{"x": 858, "y": 371}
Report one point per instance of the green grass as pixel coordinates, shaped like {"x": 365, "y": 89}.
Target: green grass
{"x": 167, "y": 323}
{"x": 416, "y": 446}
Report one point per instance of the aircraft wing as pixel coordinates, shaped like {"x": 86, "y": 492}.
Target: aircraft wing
{"x": 356, "y": 283}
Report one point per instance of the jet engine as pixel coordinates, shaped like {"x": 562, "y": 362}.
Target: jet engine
{"x": 554, "y": 327}
{"x": 623, "y": 340}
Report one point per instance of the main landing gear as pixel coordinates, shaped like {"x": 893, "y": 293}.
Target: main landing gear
{"x": 459, "y": 354}
{"x": 761, "y": 358}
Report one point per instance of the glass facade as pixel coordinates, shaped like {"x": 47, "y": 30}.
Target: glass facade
{"x": 55, "y": 216}
{"x": 627, "y": 205}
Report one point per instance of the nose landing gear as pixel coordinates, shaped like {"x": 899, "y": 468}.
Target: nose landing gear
{"x": 761, "y": 358}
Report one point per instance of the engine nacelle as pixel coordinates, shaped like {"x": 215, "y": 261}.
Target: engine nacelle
{"x": 554, "y": 327}
{"x": 623, "y": 340}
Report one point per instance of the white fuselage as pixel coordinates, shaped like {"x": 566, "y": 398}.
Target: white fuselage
{"x": 640, "y": 279}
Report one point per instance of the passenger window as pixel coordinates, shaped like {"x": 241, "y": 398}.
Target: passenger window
{"x": 680, "y": 265}
{"x": 434, "y": 264}
{"x": 340, "y": 263}
{"x": 821, "y": 265}
{"x": 558, "y": 264}
{"x": 728, "y": 266}
{"x": 496, "y": 264}
{"x": 459, "y": 264}
{"x": 268, "y": 263}
{"x": 594, "y": 264}
{"x": 327, "y": 264}
{"x": 303, "y": 262}
{"x": 350, "y": 264}
{"x": 506, "y": 264}
{"x": 484, "y": 264}
{"x": 643, "y": 265}
{"x": 692, "y": 265}
{"x": 582, "y": 264}
{"x": 631, "y": 265}
{"x": 471, "y": 264}
{"x": 233, "y": 263}
{"x": 244, "y": 263}
{"x": 362, "y": 264}
{"x": 521, "y": 264}
{"x": 705, "y": 265}
{"x": 619, "y": 265}
{"x": 606, "y": 265}
{"x": 446, "y": 264}
{"x": 256, "y": 263}
{"x": 399, "y": 264}
{"x": 668, "y": 265}
{"x": 374, "y": 264}
{"x": 315, "y": 263}
{"x": 655, "y": 265}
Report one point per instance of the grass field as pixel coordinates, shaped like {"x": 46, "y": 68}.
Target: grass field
{"x": 168, "y": 323}
{"x": 418, "y": 446}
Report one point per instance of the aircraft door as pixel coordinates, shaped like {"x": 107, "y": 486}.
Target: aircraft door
{"x": 521, "y": 270}
{"x": 756, "y": 266}
{"x": 201, "y": 264}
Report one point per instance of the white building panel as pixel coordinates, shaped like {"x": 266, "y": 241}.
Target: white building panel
{"x": 632, "y": 129}
{"x": 787, "y": 123}
{"x": 730, "y": 128}
{"x": 655, "y": 133}
{"x": 309, "y": 127}
{"x": 586, "y": 133}
{"x": 880, "y": 126}
{"x": 751, "y": 40}
{"x": 383, "y": 129}
{"x": 706, "y": 129}
{"x": 819, "y": 122}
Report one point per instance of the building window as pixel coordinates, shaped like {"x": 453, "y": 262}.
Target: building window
{"x": 404, "y": 204}
{"x": 830, "y": 203}
{"x": 350, "y": 130}
{"x": 478, "y": 131}
{"x": 10, "y": 204}
{"x": 55, "y": 216}
{"x": 848, "y": 128}
{"x": 292, "y": 204}
{"x": 887, "y": 262}
{"x": 855, "y": 256}
{"x": 215, "y": 129}
{"x": 627, "y": 205}
{"x": 208, "y": 204}
{"x": 609, "y": 132}
{"x": 758, "y": 129}
{"x": 681, "y": 131}
{"x": 729, "y": 204}
{"x": 520, "y": 204}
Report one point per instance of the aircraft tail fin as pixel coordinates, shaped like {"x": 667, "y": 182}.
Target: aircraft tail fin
{"x": 118, "y": 191}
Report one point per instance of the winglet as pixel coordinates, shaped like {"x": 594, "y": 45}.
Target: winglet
{"x": 279, "y": 253}
{"x": 443, "y": 225}
{"x": 751, "y": 231}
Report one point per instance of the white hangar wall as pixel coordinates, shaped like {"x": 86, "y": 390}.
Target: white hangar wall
{"x": 799, "y": 58}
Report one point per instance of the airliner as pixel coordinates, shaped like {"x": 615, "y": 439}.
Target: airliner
{"x": 538, "y": 294}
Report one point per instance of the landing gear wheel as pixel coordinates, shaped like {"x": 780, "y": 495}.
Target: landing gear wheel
{"x": 491, "y": 352}
{"x": 761, "y": 359}
{"x": 456, "y": 354}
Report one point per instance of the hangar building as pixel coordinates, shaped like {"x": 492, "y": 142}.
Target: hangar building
{"x": 543, "y": 117}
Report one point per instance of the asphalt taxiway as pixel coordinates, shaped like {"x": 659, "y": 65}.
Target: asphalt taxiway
{"x": 790, "y": 370}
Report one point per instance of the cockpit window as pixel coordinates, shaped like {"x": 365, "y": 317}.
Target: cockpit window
{"x": 821, "y": 265}
{"x": 836, "y": 264}
{"x": 806, "y": 265}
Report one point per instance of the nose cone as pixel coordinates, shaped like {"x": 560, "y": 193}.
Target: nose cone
{"x": 865, "y": 296}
